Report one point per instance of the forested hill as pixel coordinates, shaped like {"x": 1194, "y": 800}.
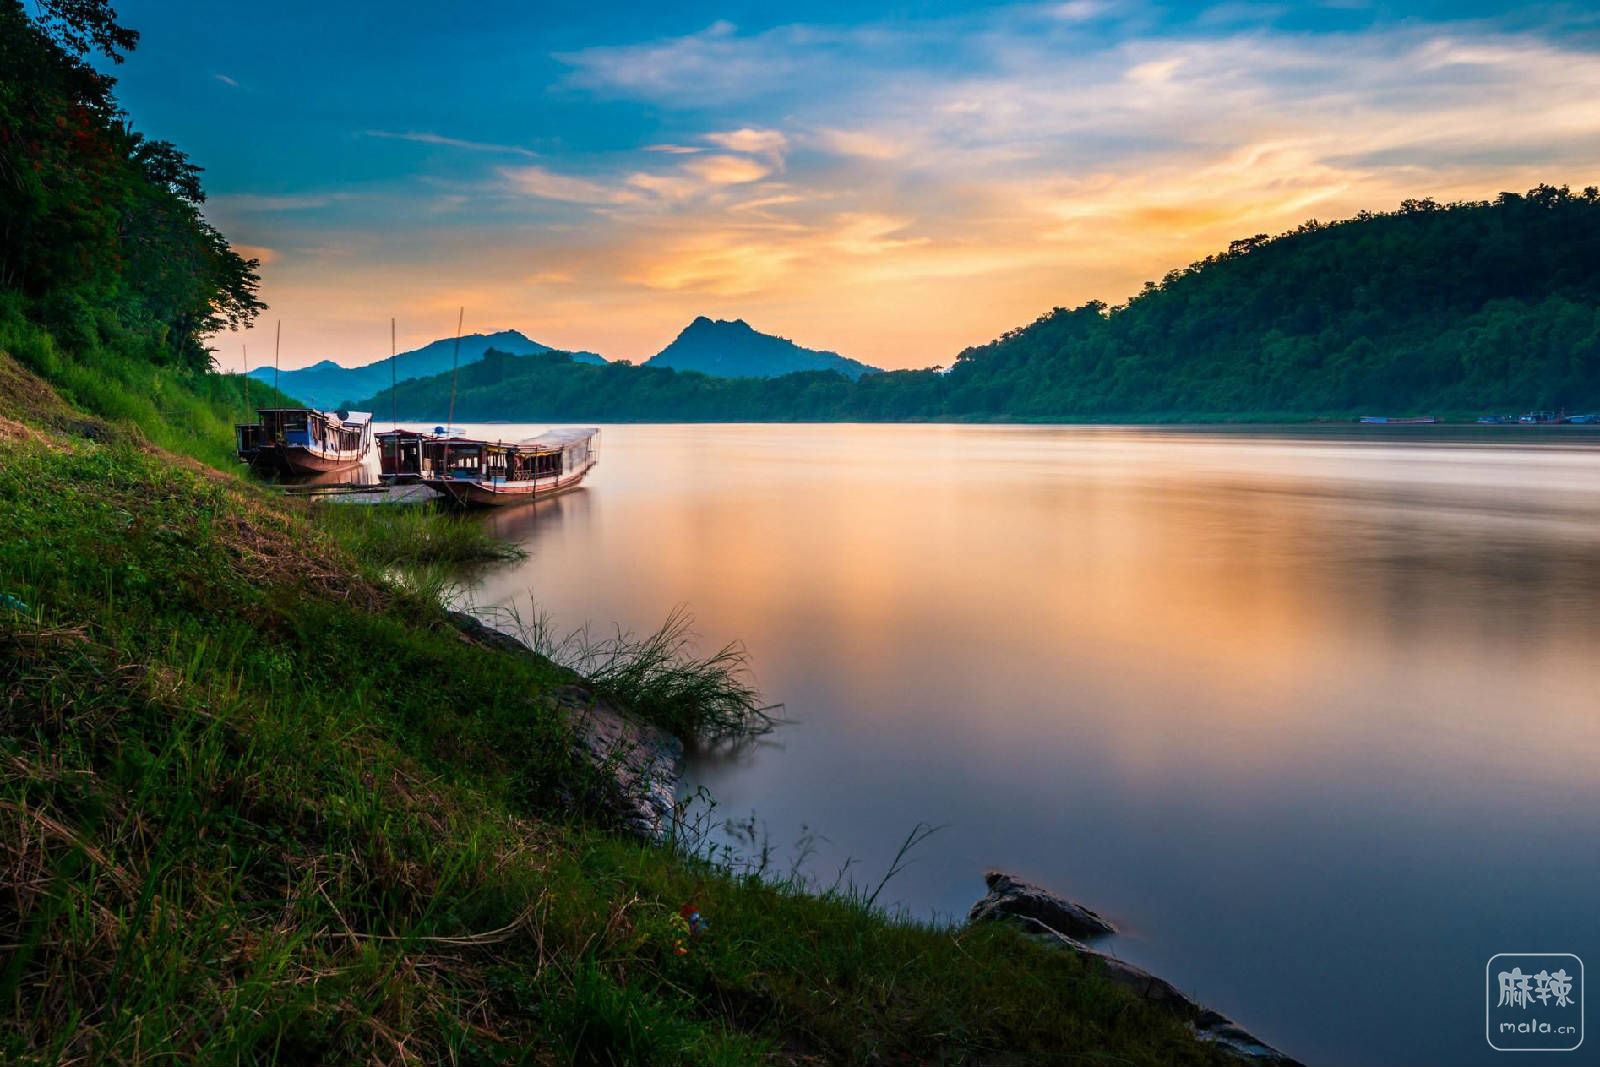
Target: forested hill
{"x": 329, "y": 385}
{"x": 1459, "y": 308}
{"x": 737, "y": 350}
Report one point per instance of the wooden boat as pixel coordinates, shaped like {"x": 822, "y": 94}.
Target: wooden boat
{"x": 1388, "y": 420}
{"x": 305, "y": 440}
{"x": 400, "y": 455}
{"x": 493, "y": 474}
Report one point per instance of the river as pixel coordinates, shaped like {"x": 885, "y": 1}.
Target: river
{"x": 1311, "y": 716}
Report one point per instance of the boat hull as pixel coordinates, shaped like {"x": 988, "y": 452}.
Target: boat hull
{"x": 476, "y": 494}
{"x": 298, "y": 459}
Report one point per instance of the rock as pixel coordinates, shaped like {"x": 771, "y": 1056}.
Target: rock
{"x": 1240, "y": 1044}
{"x": 475, "y": 631}
{"x": 1208, "y": 1026}
{"x": 1012, "y": 896}
{"x": 639, "y": 762}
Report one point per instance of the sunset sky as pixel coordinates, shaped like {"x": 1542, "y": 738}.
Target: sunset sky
{"x": 894, "y": 184}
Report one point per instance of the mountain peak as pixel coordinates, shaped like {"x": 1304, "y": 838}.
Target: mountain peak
{"x": 732, "y": 348}
{"x": 328, "y": 384}
{"x": 703, "y": 324}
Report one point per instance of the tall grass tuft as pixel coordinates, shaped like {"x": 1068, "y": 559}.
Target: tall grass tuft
{"x": 410, "y": 535}
{"x": 703, "y": 700}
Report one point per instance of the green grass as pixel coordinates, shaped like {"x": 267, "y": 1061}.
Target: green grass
{"x": 412, "y": 535}
{"x": 704, "y": 699}
{"x": 260, "y": 803}
{"x": 190, "y": 414}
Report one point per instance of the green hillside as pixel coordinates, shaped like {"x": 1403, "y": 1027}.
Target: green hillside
{"x": 1460, "y": 308}
{"x": 1492, "y": 306}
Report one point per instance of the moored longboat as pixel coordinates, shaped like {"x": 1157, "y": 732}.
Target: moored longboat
{"x": 483, "y": 473}
{"x": 305, "y": 440}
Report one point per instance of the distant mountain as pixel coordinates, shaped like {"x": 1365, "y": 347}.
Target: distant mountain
{"x": 329, "y": 385}
{"x": 737, "y": 350}
{"x": 1446, "y": 309}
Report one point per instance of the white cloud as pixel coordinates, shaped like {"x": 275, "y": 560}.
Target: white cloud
{"x": 252, "y": 202}
{"x": 449, "y": 142}
{"x": 711, "y": 64}
{"x": 861, "y": 143}
{"x": 1081, "y": 10}
{"x": 754, "y": 142}
{"x": 546, "y": 184}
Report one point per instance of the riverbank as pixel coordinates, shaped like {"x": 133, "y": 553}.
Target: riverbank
{"x": 263, "y": 800}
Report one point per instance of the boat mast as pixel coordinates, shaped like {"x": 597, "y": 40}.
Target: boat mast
{"x": 278, "y": 341}
{"x": 244, "y": 354}
{"x": 455, "y": 372}
{"x": 394, "y": 384}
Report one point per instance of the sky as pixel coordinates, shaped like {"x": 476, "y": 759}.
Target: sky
{"x": 895, "y": 183}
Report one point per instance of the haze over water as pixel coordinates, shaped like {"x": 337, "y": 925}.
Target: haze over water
{"x": 1312, "y": 718}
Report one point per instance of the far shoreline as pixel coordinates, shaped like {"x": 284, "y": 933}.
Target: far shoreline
{"x": 1343, "y": 424}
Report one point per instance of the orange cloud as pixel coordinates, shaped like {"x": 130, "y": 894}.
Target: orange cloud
{"x": 726, "y": 170}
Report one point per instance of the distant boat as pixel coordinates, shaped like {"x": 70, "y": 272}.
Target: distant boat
{"x": 1496, "y": 420}
{"x": 1389, "y": 420}
{"x": 305, "y": 440}
{"x": 493, "y": 473}
{"x": 1535, "y": 418}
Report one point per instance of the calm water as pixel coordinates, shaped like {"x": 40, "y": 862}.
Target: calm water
{"x": 1313, "y": 719}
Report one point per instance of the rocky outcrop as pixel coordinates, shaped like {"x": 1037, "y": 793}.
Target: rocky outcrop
{"x": 638, "y": 762}
{"x": 1009, "y": 896}
{"x": 1022, "y": 905}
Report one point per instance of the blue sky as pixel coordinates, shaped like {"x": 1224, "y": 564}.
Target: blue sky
{"x": 895, "y": 183}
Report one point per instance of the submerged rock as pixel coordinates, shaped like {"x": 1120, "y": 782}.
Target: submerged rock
{"x": 1010, "y": 896}
{"x": 1020, "y": 904}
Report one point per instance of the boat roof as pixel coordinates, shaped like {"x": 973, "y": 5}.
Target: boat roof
{"x": 356, "y": 417}
{"x": 570, "y": 435}
{"x": 549, "y": 441}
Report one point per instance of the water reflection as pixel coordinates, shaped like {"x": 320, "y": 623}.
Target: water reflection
{"x": 1312, "y": 717}
{"x": 364, "y": 473}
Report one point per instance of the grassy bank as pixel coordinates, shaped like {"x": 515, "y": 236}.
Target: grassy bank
{"x": 260, "y": 802}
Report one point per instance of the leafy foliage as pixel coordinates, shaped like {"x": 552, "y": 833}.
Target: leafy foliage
{"x": 100, "y": 229}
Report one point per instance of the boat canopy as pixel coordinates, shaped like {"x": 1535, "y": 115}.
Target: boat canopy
{"x": 553, "y": 439}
